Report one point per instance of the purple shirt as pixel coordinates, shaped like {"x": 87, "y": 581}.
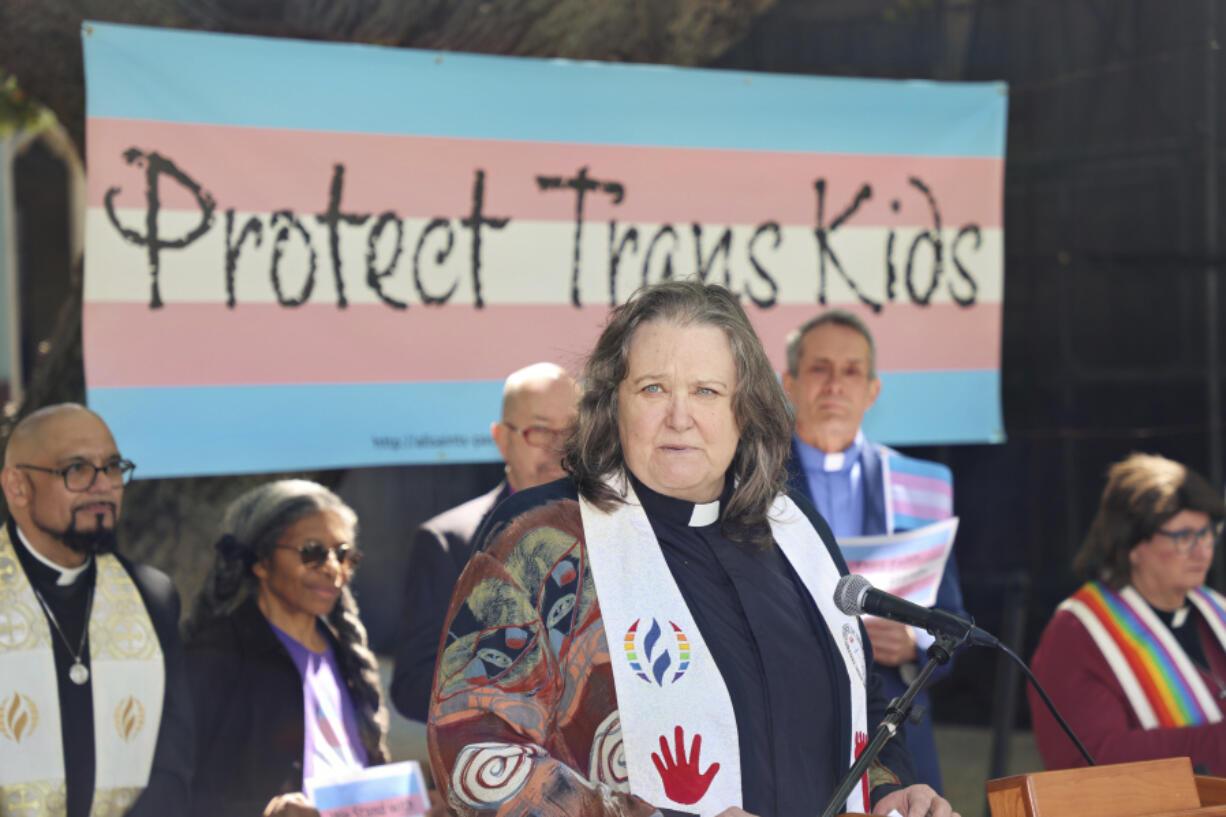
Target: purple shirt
{"x": 331, "y": 740}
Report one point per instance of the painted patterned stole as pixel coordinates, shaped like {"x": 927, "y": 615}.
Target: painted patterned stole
{"x": 127, "y": 678}
{"x": 1162, "y": 684}
{"x": 917, "y": 492}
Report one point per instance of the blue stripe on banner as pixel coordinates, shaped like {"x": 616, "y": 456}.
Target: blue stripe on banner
{"x": 201, "y": 430}
{"x": 362, "y": 791}
{"x": 920, "y": 468}
{"x": 936, "y": 408}
{"x": 172, "y": 432}
{"x": 181, "y": 76}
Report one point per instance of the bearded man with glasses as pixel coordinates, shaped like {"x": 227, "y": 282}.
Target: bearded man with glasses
{"x": 1135, "y": 660}
{"x": 95, "y": 717}
{"x": 539, "y": 407}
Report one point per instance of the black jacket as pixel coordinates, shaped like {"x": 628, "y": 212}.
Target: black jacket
{"x": 441, "y": 548}
{"x": 250, "y": 725}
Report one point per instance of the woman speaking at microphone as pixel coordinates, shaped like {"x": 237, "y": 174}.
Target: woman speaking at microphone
{"x": 657, "y": 632}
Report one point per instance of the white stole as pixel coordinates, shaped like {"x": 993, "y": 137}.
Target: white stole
{"x": 127, "y": 678}
{"x": 658, "y": 690}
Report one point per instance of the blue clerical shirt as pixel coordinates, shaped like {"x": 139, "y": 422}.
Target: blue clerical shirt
{"x": 836, "y": 485}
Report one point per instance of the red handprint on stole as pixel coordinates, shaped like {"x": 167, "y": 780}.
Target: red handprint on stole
{"x": 861, "y": 745}
{"x": 683, "y": 783}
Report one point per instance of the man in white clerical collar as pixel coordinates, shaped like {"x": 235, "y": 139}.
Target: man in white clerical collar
{"x": 94, "y": 712}
{"x": 832, "y": 382}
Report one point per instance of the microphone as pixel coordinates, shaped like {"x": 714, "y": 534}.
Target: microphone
{"x": 855, "y": 596}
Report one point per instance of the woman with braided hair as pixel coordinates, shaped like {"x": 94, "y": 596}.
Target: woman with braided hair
{"x": 283, "y": 683}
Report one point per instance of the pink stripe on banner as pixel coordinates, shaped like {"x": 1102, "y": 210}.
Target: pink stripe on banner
{"x": 907, "y": 339}
{"x": 921, "y": 483}
{"x": 195, "y": 344}
{"x": 264, "y": 170}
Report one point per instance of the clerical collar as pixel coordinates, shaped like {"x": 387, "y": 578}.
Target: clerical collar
{"x": 67, "y": 575}
{"x": 1172, "y": 618}
{"x": 681, "y": 511}
{"x": 814, "y": 459}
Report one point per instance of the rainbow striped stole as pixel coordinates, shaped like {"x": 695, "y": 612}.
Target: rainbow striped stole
{"x": 1162, "y": 684}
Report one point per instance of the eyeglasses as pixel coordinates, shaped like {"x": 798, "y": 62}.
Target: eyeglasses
{"x": 79, "y": 476}
{"x": 1186, "y": 538}
{"x": 542, "y": 436}
{"x": 316, "y": 554}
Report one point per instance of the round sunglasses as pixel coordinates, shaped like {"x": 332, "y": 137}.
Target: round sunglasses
{"x": 315, "y": 554}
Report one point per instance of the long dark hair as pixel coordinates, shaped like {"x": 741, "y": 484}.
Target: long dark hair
{"x": 1143, "y": 491}
{"x": 253, "y": 524}
{"x": 763, "y": 416}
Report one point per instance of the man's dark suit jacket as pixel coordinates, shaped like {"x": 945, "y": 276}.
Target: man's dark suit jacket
{"x": 440, "y": 550}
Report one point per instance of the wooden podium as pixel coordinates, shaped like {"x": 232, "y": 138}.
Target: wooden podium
{"x": 1150, "y": 788}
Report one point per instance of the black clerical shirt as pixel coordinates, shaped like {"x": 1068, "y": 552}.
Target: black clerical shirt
{"x": 776, "y": 656}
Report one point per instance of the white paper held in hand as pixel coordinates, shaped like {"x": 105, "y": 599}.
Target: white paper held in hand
{"x": 393, "y": 790}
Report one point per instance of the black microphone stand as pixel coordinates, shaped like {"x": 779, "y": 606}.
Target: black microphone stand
{"x": 898, "y": 710}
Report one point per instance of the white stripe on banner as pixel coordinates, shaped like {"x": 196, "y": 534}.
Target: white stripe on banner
{"x": 545, "y": 247}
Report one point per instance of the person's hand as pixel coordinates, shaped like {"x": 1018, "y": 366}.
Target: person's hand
{"x": 735, "y": 812}
{"x": 290, "y": 805}
{"x": 893, "y": 642}
{"x": 438, "y": 806}
{"x": 916, "y": 801}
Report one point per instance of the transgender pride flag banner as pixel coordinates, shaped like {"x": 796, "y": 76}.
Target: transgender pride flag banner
{"x": 312, "y": 255}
